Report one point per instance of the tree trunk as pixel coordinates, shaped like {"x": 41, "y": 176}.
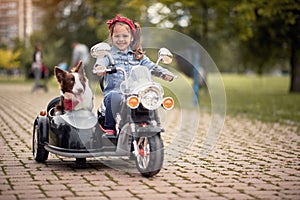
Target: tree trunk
{"x": 295, "y": 58}
{"x": 295, "y": 70}
{"x": 204, "y": 15}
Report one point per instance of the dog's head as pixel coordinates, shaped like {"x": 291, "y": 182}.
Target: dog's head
{"x": 72, "y": 82}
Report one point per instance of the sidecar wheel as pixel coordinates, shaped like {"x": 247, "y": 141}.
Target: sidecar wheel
{"x": 80, "y": 163}
{"x": 151, "y": 155}
{"x": 52, "y": 104}
{"x": 40, "y": 154}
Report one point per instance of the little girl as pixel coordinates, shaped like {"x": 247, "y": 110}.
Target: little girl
{"x": 126, "y": 52}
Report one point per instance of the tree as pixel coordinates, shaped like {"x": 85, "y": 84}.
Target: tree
{"x": 9, "y": 59}
{"x": 249, "y": 33}
{"x": 271, "y": 29}
{"x": 263, "y": 32}
{"x": 64, "y": 21}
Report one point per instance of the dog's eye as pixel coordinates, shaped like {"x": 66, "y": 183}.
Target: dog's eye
{"x": 72, "y": 79}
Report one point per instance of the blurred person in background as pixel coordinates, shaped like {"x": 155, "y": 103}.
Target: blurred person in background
{"x": 63, "y": 64}
{"x": 37, "y": 68}
{"x": 80, "y": 52}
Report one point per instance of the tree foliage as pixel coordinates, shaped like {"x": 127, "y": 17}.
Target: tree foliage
{"x": 271, "y": 33}
{"x": 64, "y": 22}
{"x": 239, "y": 35}
{"x": 9, "y": 59}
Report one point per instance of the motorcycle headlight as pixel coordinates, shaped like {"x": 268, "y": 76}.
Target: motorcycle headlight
{"x": 151, "y": 98}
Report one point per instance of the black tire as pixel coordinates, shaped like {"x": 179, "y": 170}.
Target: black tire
{"x": 149, "y": 164}
{"x": 52, "y": 104}
{"x": 40, "y": 154}
{"x": 80, "y": 163}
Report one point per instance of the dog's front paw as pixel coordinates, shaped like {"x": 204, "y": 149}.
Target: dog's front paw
{"x": 58, "y": 110}
{"x": 57, "y": 113}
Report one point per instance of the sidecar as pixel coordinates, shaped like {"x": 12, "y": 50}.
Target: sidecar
{"x": 75, "y": 134}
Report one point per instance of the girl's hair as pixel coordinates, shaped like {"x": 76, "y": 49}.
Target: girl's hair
{"x": 136, "y": 33}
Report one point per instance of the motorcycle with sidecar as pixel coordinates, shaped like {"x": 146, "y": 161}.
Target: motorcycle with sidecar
{"x": 77, "y": 134}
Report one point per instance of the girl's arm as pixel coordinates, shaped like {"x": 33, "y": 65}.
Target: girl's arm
{"x": 102, "y": 62}
{"x": 157, "y": 70}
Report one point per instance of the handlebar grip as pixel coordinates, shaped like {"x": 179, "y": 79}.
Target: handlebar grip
{"x": 111, "y": 70}
{"x": 171, "y": 77}
{"x": 95, "y": 71}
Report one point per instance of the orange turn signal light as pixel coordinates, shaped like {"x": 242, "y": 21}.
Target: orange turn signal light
{"x": 168, "y": 103}
{"x": 133, "y": 102}
{"x": 43, "y": 113}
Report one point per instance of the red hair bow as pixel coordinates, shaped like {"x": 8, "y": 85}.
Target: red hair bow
{"x": 118, "y": 18}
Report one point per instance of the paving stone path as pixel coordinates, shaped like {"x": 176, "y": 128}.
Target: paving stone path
{"x": 251, "y": 160}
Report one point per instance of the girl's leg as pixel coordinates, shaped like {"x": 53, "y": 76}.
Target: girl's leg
{"x": 112, "y": 103}
{"x": 37, "y": 76}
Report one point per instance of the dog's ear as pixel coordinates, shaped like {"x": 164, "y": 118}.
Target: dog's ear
{"x": 77, "y": 67}
{"x": 59, "y": 74}
{"x": 80, "y": 69}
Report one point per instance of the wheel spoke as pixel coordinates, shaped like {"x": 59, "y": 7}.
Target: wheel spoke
{"x": 144, "y": 154}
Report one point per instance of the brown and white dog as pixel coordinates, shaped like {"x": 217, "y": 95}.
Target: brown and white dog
{"x": 75, "y": 91}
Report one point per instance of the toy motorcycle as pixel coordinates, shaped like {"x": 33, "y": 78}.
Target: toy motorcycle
{"x": 78, "y": 134}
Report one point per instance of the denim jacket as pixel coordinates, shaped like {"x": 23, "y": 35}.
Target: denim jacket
{"x": 126, "y": 61}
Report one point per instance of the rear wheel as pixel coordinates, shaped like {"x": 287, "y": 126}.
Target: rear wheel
{"x": 151, "y": 155}
{"x": 40, "y": 154}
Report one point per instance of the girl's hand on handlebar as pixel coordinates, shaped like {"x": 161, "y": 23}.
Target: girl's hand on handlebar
{"x": 168, "y": 77}
{"x": 101, "y": 74}
{"x": 100, "y": 71}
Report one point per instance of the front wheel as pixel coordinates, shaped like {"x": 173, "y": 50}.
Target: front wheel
{"x": 151, "y": 155}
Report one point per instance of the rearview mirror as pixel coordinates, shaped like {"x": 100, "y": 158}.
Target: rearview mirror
{"x": 165, "y": 56}
{"x": 100, "y": 50}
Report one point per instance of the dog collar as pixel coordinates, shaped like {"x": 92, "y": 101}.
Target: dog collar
{"x": 69, "y": 104}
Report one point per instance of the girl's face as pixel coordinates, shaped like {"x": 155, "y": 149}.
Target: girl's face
{"x": 121, "y": 37}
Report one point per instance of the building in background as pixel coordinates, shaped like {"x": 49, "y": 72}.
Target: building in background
{"x": 17, "y": 21}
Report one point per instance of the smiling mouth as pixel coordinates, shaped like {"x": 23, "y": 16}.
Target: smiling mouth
{"x": 121, "y": 42}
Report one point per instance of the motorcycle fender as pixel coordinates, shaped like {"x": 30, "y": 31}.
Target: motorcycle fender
{"x": 147, "y": 131}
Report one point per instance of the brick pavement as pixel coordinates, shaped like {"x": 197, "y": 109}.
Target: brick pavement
{"x": 252, "y": 160}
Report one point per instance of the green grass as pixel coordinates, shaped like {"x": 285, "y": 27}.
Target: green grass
{"x": 265, "y": 98}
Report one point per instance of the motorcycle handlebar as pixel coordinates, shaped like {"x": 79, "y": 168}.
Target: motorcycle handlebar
{"x": 113, "y": 69}
{"x": 109, "y": 70}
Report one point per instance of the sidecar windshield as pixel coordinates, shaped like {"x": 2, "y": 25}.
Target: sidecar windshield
{"x": 139, "y": 76}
